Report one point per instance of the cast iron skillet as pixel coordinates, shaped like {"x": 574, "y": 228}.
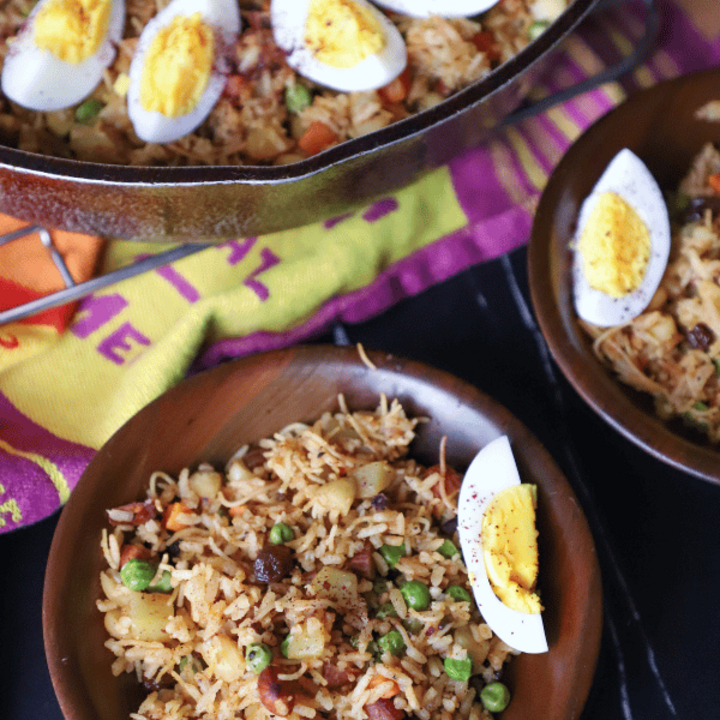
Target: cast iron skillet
{"x": 215, "y": 203}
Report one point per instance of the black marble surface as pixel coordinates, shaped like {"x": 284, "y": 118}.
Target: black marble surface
{"x": 657, "y": 530}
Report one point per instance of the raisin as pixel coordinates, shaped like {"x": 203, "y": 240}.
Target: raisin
{"x": 701, "y": 337}
{"x": 273, "y": 563}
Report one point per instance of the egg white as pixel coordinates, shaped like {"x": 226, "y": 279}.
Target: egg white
{"x": 628, "y": 177}
{"x": 493, "y": 469}
{"x": 288, "y": 18}
{"x": 443, "y": 8}
{"x": 35, "y": 79}
{"x": 153, "y": 126}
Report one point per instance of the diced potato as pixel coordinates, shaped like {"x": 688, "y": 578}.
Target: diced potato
{"x": 339, "y": 586}
{"x": 205, "y": 483}
{"x": 308, "y": 641}
{"x": 223, "y": 657}
{"x": 373, "y": 478}
{"x": 238, "y": 470}
{"x": 337, "y": 495}
{"x": 173, "y": 516}
{"x": 149, "y": 614}
{"x": 477, "y": 650}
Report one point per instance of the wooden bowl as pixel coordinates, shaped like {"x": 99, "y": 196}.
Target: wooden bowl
{"x": 660, "y": 127}
{"x": 209, "y": 416}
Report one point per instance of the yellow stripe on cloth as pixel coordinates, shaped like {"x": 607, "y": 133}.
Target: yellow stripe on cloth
{"x": 47, "y": 466}
{"x": 135, "y": 339}
{"x": 9, "y": 507}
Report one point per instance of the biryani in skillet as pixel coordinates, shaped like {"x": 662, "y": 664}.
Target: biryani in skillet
{"x": 235, "y": 82}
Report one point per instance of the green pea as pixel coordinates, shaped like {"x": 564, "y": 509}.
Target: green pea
{"x": 495, "y": 697}
{"x": 387, "y": 609}
{"x": 460, "y": 670}
{"x": 458, "y": 593}
{"x": 699, "y": 405}
{"x": 258, "y": 656}
{"x": 297, "y": 98}
{"x": 354, "y": 641}
{"x": 416, "y": 594}
{"x": 716, "y": 363}
{"x": 281, "y": 533}
{"x": 537, "y": 28}
{"x": 88, "y": 110}
{"x": 413, "y": 625}
{"x": 164, "y": 583}
{"x": 392, "y": 553}
{"x": 448, "y": 549}
{"x": 196, "y": 665}
{"x": 391, "y": 642}
{"x": 285, "y": 646}
{"x": 137, "y": 574}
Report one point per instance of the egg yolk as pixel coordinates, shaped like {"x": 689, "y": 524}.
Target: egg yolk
{"x": 341, "y": 33}
{"x": 177, "y": 66}
{"x": 510, "y": 549}
{"x": 615, "y": 246}
{"x": 72, "y": 30}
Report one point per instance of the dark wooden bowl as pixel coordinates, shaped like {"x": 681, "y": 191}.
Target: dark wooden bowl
{"x": 210, "y": 415}
{"x": 659, "y": 126}
{"x": 216, "y": 203}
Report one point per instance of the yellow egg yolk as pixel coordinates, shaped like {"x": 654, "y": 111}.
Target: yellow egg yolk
{"x": 510, "y": 550}
{"x": 341, "y": 33}
{"x": 72, "y": 30}
{"x": 615, "y": 246}
{"x": 177, "y": 66}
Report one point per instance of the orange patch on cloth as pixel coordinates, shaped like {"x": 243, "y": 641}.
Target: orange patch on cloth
{"x": 27, "y": 270}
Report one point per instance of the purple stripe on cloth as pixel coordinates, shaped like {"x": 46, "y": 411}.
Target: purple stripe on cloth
{"x": 439, "y": 261}
{"x": 23, "y": 480}
{"x": 677, "y": 34}
{"x": 470, "y": 174}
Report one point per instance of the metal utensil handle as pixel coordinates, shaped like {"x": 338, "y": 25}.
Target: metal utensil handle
{"x": 640, "y": 52}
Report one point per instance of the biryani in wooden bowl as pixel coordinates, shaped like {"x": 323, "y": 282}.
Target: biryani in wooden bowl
{"x": 278, "y": 536}
{"x": 631, "y": 313}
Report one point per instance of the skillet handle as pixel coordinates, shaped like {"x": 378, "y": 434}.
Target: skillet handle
{"x": 640, "y": 52}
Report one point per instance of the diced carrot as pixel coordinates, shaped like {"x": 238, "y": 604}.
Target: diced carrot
{"x": 714, "y": 182}
{"x": 236, "y": 510}
{"x": 131, "y": 552}
{"x": 392, "y": 690}
{"x": 172, "y": 513}
{"x": 396, "y": 90}
{"x": 451, "y": 481}
{"x": 485, "y": 43}
{"x": 317, "y": 137}
{"x": 234, "y": 86}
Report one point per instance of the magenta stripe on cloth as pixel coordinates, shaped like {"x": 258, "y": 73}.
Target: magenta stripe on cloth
{"x": 32, "y": 490}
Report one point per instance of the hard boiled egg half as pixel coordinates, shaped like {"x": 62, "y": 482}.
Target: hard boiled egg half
{"x": 494, "y": 549}
{"x": 175, "y": 76}
{"x": 346, "y": 45}
{"x": 59, "y": 55}
{"x": 443, "y": 8}
{"x": 622, "y": 243}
